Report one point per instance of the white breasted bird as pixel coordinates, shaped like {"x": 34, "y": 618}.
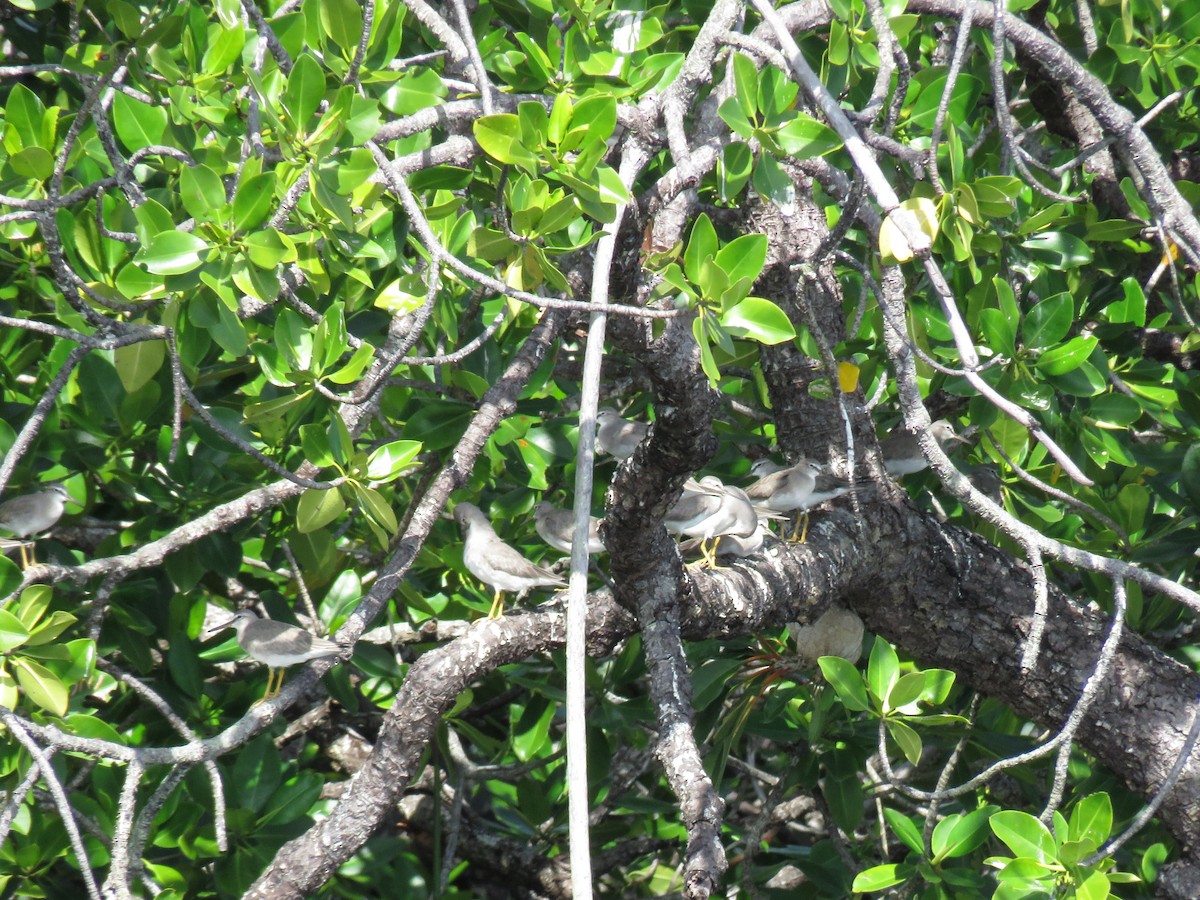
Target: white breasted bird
{"x": 557, "y": 526}
{"x": 617, "y": 436}
{"x": 31, "y": 514}
{"x": 710, "y": 510}
{"x": 796, "y": 489}
{"x": 902, "y": 452}
{"x": 494, "y": 562}
{"x": 276, "y": 644}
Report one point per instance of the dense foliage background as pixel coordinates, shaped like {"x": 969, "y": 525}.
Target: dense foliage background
{"x": 283, "y": 282}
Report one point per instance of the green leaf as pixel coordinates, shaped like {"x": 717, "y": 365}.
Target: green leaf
{"x": 733, "y": 171}
{"x": 41, "y": 685}
{"x": 905, "y": 828}
{"x": 342, "y": 21}
{"x": 1189, "y": 476}
{"x": 745, "y": 80}
{"x": 305, "y": 90}
{"x": 771, "y": 181}
{"x": 201, "y": 191}
{"x": 730, "y": 112}
{"x": 999, "y": 331}
{"x": 1132, "y": 308}
{"x": 847, "y": 681}
{"x": 253, "y": 201}
{"x": 1058, "y": 250}
{"x": 388, "y": 461}
{"x": 173, "y": 253}
{"x": 24, "y": 111}
{"x": 34, "y": 602}
{"x": 317, "y": 509}
{"x": 743, "y": 257}
{"x": 701, "y": 247}
{"x": 10, "y": 577}
{"x": 1048, "y": 322}
{"x": 804, "y": 137}
{"x": 499, "y": 136}
{"x": 33, "y": 162}
{"x": 906, "y": 738}
{"x": 760, "y": 320}
{"x": 315, "y": 444}
{"x": 957, "y": 835}
{"x": 883, "y": 670}
{"x": 137, "y": 363}
{"x": 1067, "y": 357}
{"x": 223, "y": 50}
{"x": 878, "y": 878}
{"x": 12, "y": 632}
{"x": 1024, "y": 835}
{"x": 376, "y": 508}
{"x": 50, "y": 628}
{"x": 909, "y": 689}
{"x": 138, "y": 124}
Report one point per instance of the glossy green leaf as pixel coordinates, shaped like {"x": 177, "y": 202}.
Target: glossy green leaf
{"x": 50, "y": 628}
{"x": 847, "y": 681}
{"x": 1023, "y": 834}
{"x": 499, "y": 136}
{"x": 1048, "y": 322}
{"x": 1058, "y": 250}
{"x": 305, "y": 90}
{"x": 138, "y": 124}
{"x": 701, "y": 246}
{"x": 804, "y": 137}
{"x": 342, "y": 22}
{"x": 12, "y": 632}
{"x": 137, "y": 363}
{"x": 878, "y": 878}
{"x": 957, "y": 835}
{"x": 906, "y": 739}
{"x": 1132, "y": 308}
{"x": 1067, "y": 357}
{"x": 883, "y": 669}
{"x": 317, "y": 509}
{"x": 40, "y": 685}
{"x": 33, "y": 603}
{"x": 202, "y": 191}
{"x": 760, "y": 320}
{"x": 734, "y": 169}
{"x": 173, "y": 253}
{"x": 253, "y": 201}
{"x": 391, "y": 459}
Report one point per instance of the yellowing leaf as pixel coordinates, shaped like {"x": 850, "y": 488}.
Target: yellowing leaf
{"x": 893, "y": 245}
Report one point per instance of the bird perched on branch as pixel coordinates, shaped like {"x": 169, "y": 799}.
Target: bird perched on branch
{"x": 902, "y": 451}
{"x": 557, "y": 526}
{"x": 710, "y": 510}
{"x": 31, "y": 514}
{"x": 276, "y": 644}
{"x": 494, "y": 562}
{"x": 617, "y": 436}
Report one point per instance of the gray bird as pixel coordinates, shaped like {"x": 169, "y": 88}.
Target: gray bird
{"x": 710, "y": 510}
{"x": 838, "y": 632}
{"x": 792, "y": 489}
{"x": 276, "y": 644}
{"x": 902, "y": 453}
{"x": 616, "y": 436}
{"x": 557, "y": 526}
{"x": 494, "y": 562}
{"x": 31, "y": 514}
{"x": 764, "y": 466}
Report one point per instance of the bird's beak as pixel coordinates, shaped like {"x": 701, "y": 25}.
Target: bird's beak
{"x": 213, "y": 630}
